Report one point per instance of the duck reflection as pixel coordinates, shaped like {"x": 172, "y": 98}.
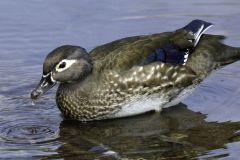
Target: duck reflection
{"x": 175, "y": 133}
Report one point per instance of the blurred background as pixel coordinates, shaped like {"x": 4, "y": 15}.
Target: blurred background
{"x": 205, "y": 125}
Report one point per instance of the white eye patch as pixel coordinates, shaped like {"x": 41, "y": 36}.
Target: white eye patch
{"x": 65, "y": 64}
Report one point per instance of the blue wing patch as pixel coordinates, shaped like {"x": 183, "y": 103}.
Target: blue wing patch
{"x": 157, "y": 55}
{"x": 168, "y": 54}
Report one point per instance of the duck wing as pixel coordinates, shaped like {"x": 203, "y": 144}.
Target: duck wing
{"x": 150, "y": 64}
{"x": 168, "y": 47}
{"x": 155, "y": 76}
{"x": 170, "y": 83}
{"x": 125, "y": 53}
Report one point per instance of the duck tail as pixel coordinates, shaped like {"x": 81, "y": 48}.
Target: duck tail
{"x": 231, "y": 54}
{"x": 197, "y": 28}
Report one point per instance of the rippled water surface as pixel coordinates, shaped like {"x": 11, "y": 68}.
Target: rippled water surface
{"x": 205, "y": 125}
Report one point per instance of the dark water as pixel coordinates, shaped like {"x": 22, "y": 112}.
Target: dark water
{"x": 205, "y": 126}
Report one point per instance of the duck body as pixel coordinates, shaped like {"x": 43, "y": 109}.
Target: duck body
{"x": 138, "y": 74}
{"x": 117, "y": 94}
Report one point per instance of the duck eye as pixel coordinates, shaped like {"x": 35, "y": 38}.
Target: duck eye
{"x": 62, "y": 65}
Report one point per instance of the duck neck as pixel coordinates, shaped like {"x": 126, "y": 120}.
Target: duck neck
{"x": 75, "y": 86}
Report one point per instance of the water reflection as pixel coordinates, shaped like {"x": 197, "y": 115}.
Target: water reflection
{"x": 176, "y": 133}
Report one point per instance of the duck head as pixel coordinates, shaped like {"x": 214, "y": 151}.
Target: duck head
{"x": 65, "y": 64}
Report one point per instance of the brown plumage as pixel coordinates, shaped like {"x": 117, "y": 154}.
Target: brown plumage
{"x": 114, "y": 80}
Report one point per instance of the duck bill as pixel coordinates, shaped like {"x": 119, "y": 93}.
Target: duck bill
{"x": 44, "y": 85}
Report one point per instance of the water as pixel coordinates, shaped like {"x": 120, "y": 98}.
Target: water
{"x": 206, "y": 125}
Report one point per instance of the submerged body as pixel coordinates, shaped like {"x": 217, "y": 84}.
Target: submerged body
{"x": 133, "y": 75}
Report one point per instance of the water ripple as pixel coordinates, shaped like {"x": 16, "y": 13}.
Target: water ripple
{"x": 27, "y": 132}
{"x": 30, "y": 137}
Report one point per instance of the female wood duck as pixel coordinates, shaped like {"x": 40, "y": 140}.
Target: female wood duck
{"x": 133, "y": 75}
